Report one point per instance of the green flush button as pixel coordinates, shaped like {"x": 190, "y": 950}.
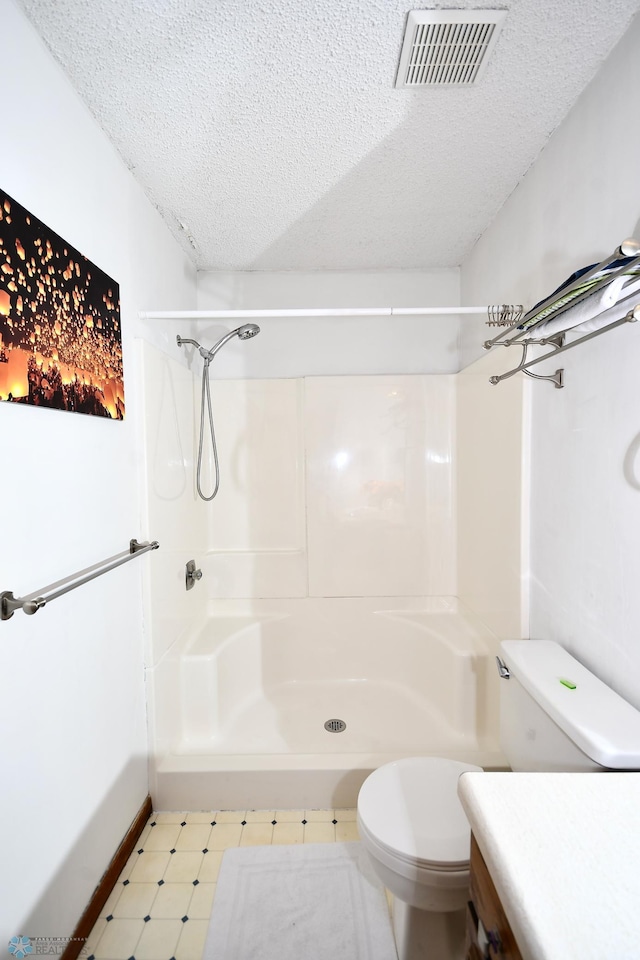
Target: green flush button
{"x": 568, "y": 683}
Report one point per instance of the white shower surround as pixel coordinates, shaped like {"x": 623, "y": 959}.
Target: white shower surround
{"x": 330, "y": 584}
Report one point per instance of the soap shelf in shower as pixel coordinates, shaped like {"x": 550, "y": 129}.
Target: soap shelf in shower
{"x": 519, "y": 334}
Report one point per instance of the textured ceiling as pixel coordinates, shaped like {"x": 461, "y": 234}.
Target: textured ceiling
{"x": 272, "y": 130}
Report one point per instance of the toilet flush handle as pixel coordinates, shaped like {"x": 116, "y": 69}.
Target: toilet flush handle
{"x": 503, "y": 669}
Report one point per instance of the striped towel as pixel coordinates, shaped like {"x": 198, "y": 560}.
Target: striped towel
{"x": 589, "y": 308}
{"x": 631, "y": 299}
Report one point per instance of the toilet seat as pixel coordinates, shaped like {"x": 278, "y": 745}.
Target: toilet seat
{"x": 410, "y": 809}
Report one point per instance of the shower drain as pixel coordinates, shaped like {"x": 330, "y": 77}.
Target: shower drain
{"x": 335, "y": 726}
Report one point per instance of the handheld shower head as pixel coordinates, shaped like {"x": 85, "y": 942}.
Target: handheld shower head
{"x": 247, "y": 331}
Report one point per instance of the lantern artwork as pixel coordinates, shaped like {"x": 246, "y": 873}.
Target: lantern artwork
{"x": 60, "y": 337}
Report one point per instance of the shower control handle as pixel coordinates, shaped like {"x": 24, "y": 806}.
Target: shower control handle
{"x": 192, "y": 574}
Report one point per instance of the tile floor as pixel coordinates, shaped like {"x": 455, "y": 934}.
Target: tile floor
{"x": 160, "y": 907}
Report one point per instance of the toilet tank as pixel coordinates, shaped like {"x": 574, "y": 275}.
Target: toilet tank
{"x": 556, "y": 715}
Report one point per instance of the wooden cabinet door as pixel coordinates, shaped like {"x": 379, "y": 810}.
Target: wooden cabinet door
{"x": 491, "y": 936}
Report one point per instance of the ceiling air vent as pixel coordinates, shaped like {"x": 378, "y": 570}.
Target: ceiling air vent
{"x": 447, "y": 47}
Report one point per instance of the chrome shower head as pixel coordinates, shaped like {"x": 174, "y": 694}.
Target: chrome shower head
{"x": 247, "y": 331}
{"x": 244, "y": 332}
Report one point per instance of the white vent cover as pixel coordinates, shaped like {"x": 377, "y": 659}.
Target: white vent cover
{"x": 447, "y": 47}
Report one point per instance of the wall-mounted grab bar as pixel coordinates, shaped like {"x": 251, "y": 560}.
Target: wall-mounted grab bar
{"x": 39, "y": 598}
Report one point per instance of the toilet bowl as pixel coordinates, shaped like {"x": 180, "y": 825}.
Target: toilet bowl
{"x": 414, "y": 829}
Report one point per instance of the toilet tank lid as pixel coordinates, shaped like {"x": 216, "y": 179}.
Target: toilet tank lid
{"x": 595, "y": 717}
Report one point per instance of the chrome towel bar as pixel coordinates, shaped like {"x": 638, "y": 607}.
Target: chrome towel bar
{"x": 39, "y": 598}
{"x": 585, "y": 284}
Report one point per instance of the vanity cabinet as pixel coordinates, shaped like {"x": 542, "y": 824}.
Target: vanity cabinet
{"x": 488, "y": 932}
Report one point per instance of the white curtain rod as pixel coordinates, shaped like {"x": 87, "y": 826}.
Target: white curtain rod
{"x": 303, "y": 312}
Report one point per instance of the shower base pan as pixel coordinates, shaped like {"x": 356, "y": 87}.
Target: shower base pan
{"x": 321, "y": 781}
{"x": 291, "y": 704}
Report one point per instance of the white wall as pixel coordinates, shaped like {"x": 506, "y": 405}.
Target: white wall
{"x": 492, "y": 504}
{"x": 74, "y": 743}
{"x": 576, "y": 204}
{"x": 175, "y": 515}
{"x": 304, "y": 346}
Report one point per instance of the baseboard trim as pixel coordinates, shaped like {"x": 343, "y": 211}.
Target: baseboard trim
{"x": 103, "y": 890}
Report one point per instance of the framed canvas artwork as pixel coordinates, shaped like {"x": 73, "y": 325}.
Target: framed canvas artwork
{"x": 60, "y": 337}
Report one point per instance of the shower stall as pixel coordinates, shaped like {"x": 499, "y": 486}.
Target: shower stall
{"x": 351, "y": 598}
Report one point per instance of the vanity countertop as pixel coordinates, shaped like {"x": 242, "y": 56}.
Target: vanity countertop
{"x": 563, "y": 850}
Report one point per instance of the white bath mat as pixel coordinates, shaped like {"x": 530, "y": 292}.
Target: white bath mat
{"x": 315, "y": 901}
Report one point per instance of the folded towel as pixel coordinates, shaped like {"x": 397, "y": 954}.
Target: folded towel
{"x": 617, "y": 312}
{"x": 590, "y": 307}
{"x": 584, "y": 311}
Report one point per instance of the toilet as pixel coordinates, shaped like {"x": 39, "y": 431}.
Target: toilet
{"x": 413, "y": 826}
{"x": 554, "y": 715}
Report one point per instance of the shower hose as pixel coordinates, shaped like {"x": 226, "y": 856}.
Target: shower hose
{"x": 206, "y": 394}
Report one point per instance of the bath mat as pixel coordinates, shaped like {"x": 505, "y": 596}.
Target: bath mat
{"x": 315, "y": 901}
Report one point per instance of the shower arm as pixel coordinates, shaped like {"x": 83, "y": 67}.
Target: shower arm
{"x": 207, "y": 355}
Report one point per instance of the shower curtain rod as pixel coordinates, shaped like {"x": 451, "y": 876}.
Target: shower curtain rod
{"x": 313, "y": 312}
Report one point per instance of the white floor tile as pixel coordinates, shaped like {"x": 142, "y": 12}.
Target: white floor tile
{"x": 288, "y": 833}
{"x": 159, "y": 940}
{"x": 192, "y": 939}
{"x": 172, "y": 901}
{"x": 129, "y": 865}
{"x": 172, "y": 816}
{"x": 150, "y": 867}
{"x": 203, "y": 816}
{"x": 162, "y": 837}
{"x": 347, "y": 832}
{"x": 119, "y": 940}
{"x": 92, "y": 940}
{"x": 210, "y": 866}
{"x": 194, "y": 836}
{"x": 319, "y": 833}
{"x": 112, "y": 899}
{"x": 224, "y": 835}
{"x": 230, "y": 816}
{"x": 183, "y": 867}
{"x": 259, "y": 816}
{"x": 202, "y": 901}
{"x": 256, "y": 835}
{"x": 135, "y": 900}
